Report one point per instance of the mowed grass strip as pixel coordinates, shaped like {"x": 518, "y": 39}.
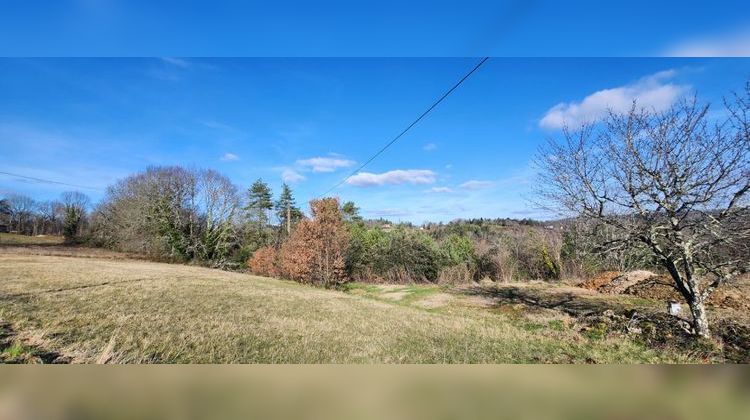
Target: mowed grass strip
{"x": 160, "y": 313}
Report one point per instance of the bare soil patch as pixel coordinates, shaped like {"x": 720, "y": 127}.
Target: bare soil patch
{"x": 435, "y": 300}
{"x": 599, "y": 280}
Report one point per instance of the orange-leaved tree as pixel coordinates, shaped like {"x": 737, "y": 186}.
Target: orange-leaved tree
{"x": 265, "y": 262}
{"x": 315, "y": 251}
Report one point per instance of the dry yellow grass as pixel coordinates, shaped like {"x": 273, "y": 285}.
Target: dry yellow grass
{"x": 127, "y": 311}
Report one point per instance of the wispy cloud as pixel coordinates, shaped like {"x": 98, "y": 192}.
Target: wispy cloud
{"x": 230, "y": 157}
{"x": 325, "y": 164}
{"x": 440, "y": 190}
{"x": 389, "y": 212}
{"x": 651, "y": 92}
{"x": 476, "y": 184}
{"x": 216, "y": 125}
{"x": 396, "y": 177}
{"x": 291, "y": 176}
{"x": 429, "y": 147}
{"x": 179, "y": 62}
{"x": 170, "y": 69}
{"x": 729, "y": 44}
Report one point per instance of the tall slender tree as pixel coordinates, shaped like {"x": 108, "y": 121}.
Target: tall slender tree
{"x": 286, "y": 210}
{"x": 258, "y": 209}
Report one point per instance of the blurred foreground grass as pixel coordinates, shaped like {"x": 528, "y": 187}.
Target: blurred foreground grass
{"x": 375, "y": 392}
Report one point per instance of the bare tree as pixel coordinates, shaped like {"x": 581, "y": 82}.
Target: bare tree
{"x": 149, "y": 212}
{"x": 674, "y": 183}
{"x": 170, "y": 212}
{"x": 21, "y": 212}
{"x": 49, "y": 217}
{"x": 218, "y": 203}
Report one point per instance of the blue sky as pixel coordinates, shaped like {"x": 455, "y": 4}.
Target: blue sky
{"x": 312, "y": 121}
{"x": 373, "y": 28}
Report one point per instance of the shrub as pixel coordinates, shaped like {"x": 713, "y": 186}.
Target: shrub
{"x": 402, "y": 255}
{"x": 538, "y": 254}
{"x": 414, "y": 252}
{"x": 456, "y": 274}
{"x": 364, "y": 256}
{"x": 458, "y": 250}
{"x": 489, "y": 261}
{"x": 265, "y": 262}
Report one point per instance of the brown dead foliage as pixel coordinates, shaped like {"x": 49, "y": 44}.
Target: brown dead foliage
{"x": 315, "y": 251}
{"x": 265, "y": 262}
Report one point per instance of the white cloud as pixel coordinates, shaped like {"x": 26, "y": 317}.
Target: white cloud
{"x": 291, "y": 176}
{"x": 476, "y": 185}
{"x": 651, "y": 92}
{"x": 325, "y": 164}
{"x": 399, "y": 176}
{"x": 230, "y": 157}
{"x": 733, "y": 44}
{"x": 441, "y": 190}
{"x": 429, "y": 147}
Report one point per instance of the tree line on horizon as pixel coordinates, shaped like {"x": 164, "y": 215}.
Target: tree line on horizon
{"x": 66, "y": 216}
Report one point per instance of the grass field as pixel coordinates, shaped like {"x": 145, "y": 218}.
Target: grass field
{"x": 92, "y": 310}
{"x": 13, "y": 239}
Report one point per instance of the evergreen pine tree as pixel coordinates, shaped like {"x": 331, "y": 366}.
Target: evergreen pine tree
{"x": 259, "y": 206}
{"x": 286, "y": 206}
{"x": 350, "y": 212}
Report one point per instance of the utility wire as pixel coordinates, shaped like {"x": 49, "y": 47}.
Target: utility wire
{"x": 436, "y": 103}
{"x": 368, "y": 161}
{"x": 48, "y": 181}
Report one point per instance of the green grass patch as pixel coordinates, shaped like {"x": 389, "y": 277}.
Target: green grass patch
{"x": 15, "y": 239}
{"x": 16, "y": 353}
{"x": 556, "y": 325}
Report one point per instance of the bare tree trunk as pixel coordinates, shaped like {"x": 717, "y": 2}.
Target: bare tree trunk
{"x": 700, "y": 320}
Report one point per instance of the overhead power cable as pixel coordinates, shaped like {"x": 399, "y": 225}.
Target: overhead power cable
{"x": 387, "y": 145}
{"x": 49, "y": 181}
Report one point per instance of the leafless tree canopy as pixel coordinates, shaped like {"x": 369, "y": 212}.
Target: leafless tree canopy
{"x": 170, "y": 212}
{"x": 673, "y": 182}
